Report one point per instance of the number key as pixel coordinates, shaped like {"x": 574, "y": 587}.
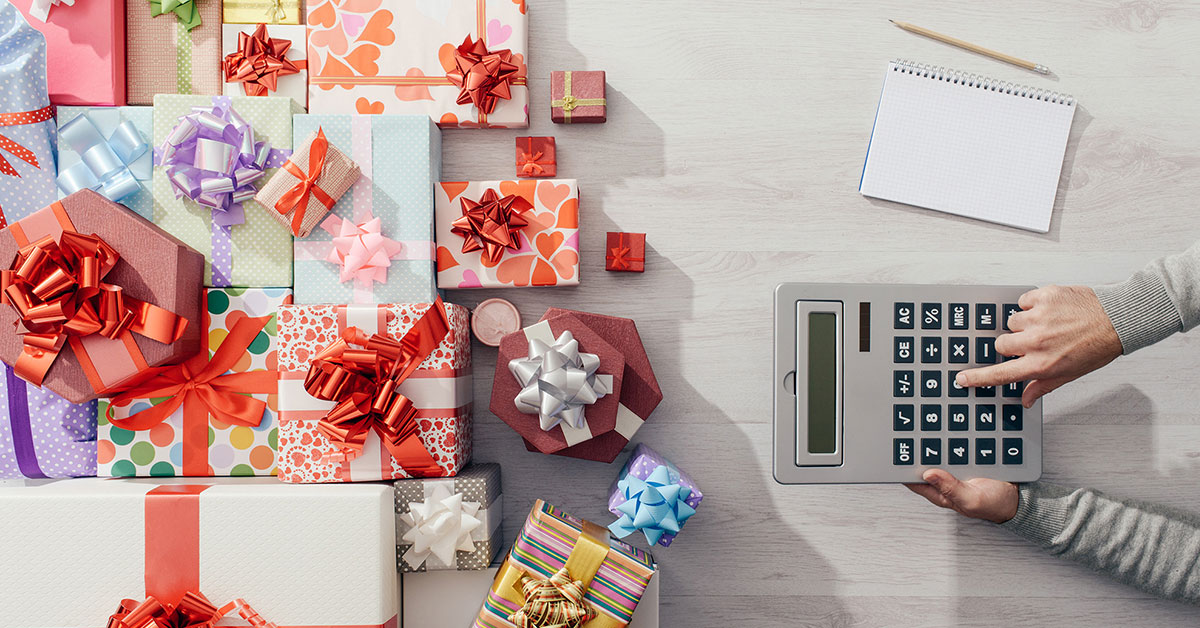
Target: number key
{"x": 931, "y": 451}
{"x": 1012, "y": 451}
{"x": 931, "y": 383}
{"x": 931, "y": 316}
{"x": 958, "y": 417}
{"x": 952, "y": 387}
{"x": 957, "y": 451}
{"x": 904, "y": 350}
{"x": 931, "y": 418}
{"x": 985, "y": 418}
{"x": 904, "y": 315}
{"x": 902, "y": 418}
{"x": 985, "y": 451}
{"x": 931, "y": 350}
{"x": 985, "y": 316}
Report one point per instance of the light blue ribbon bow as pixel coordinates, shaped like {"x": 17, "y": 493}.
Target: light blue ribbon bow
{"x": 655, "y": 506}
{"x": 114, "y": 167}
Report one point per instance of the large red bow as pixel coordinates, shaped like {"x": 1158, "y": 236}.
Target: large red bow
{"x": 193, "y": 611}
{"x": 297, "y": 197}
{"x": 259, "y": 62}
{"x": 491, "y": 224}
{"x": 482, "y": 76}
{"x": 58, "y": 292}
{"x": 364, "y": 384}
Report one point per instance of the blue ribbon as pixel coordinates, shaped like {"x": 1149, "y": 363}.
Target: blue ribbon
{"x": 656, "y": 505}
{"x": 113, "y": 166}
{"x": 22, "y": 433}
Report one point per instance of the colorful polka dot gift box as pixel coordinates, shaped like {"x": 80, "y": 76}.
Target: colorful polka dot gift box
{"x": 43, "y": 435}
{"x": 213, "y": 415}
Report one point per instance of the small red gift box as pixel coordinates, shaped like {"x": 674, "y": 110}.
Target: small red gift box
{"x": 577, "y": 97}
{"x": 625, "y": 252}
{"x": 535, "y": 157}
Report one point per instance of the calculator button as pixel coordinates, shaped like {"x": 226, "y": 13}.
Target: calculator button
{"x": 1009, "y": 310}
{"x": 985, "y": 451}
{"x": 960, "y": 316}
{"x": 957, "y": 451}
{"x": 985, "y": 316}
{"x": 985, "y": 391}
{"x": 931, "y": 316}
{"x": 985, "y": 418}
{"x": 931, "y": 350}
{"x": 902, "y": 451}
{"x": 1011, "y": 417}
{"x": 1014, "y": 389}
{"x": 931, "y": 451}
{"x": 904, "y": 350}
{"x": 952, "y": 387}
{"x": 959, "y": 350}
{"x": 931, "y": 383}
{"x": 931, "y": 418}
{"x": 1012, "y": 450}
{"x": 902, "y": 418}
{"x": 958, "y": 417}
{"x": 902, "y": 383}
{"x": 904, "y": 316}
{"x": 985, "y": 350}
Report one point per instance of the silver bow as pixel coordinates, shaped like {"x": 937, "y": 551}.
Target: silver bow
{"x": 558, "y": 381}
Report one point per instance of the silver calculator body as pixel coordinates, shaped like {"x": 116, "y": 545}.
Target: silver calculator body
{"x": 864, "y": 385}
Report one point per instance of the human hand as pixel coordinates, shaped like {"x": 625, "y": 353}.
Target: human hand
{"x": 1061, "y": 334}
{"x": 978, "y": 498}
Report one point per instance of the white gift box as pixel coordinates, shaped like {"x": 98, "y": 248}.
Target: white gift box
{"x": 294, "y": 86}
{"x": 300, "y": 555}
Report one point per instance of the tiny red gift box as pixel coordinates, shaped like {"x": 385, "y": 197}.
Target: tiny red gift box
{"x": 577, "y": 97}
{"x": 625, "y": 252}
{"x": 536, "y": 157}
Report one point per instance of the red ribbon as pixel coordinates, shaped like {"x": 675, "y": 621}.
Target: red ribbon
{"x": 193, "y": 611}
{"x": 618, "y": 256}
{"x": 482, "y": 76}
{"x": 259, "y": 62}
{"x": 58, "y": 292}
{"x": 491, "y": 224}
{"x": 11, "y": 146}
{"x": 297, "y": 197}
{"x": 365, "y": 383}
{"x": 532, "y": 165}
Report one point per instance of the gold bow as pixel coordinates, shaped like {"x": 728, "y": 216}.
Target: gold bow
{"x": 554, "y": 602}
{"x": 569, "y": 102}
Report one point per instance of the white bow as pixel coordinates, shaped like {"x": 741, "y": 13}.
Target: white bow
{"x": 440, "y": 526}
{"x": 558, "y": 381}
{"x": 41, "y": 8}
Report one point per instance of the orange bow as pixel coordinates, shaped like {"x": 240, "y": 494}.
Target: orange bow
{"x": 259, "y": 62}
{"x": 365, "y": 383}
{"x": 193, "y": 611}
{"x": 297, "y": 197}
{"x": 491, "y": 224}
{"x": 482, "y": 76}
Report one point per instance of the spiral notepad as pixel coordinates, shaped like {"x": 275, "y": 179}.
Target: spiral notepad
{"x": 967, "y": 145}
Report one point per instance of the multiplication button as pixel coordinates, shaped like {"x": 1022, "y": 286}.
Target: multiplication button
{"x": 958, "y": 350}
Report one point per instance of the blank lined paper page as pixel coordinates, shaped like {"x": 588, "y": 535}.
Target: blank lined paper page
{"x": 961, "y": 144}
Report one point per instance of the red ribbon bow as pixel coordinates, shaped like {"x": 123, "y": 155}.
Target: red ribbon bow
{"x": 58, "y": 292}
{"x": 193, "y": 611}
{"x": 365, "y": 383}
{"x": 491, "y": 224}
{"x": 482, "y": 76}
{"x": 259, "y": 62}
{"x": 297, "y": 197}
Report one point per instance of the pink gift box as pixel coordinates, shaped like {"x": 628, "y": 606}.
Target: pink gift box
{"x": 85, "y": 51}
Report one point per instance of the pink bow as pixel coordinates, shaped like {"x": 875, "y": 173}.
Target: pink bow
{"x": 361, "y": 250}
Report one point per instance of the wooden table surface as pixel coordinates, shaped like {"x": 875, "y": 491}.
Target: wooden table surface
{"x": 735, "y": 140}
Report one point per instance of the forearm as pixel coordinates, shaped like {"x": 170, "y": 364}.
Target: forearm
{"x": 1157, "y": 301}
{"x": 1153, "y": 548}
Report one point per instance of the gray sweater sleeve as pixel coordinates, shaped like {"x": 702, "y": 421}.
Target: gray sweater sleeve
{"x": 1153, "y": 548}
{"x": 1157, "y": 301}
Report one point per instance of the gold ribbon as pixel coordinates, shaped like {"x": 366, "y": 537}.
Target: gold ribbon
{"x": 569, "y": 102}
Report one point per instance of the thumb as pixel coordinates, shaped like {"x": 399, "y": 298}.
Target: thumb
{"x": 1039, "y": 387}
{"x": 947, "y": 486}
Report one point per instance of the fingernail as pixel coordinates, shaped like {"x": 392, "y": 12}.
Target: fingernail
{"x": 934, "y": 480}
{"x": 958, "y": 379}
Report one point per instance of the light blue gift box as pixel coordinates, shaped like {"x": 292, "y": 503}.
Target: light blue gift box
{"x": 27, "y": 147}
{"x": 112, "y": 171}
{"x": 401, "y": 160}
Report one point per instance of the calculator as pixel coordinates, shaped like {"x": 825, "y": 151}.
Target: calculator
{"x": 864, "y": 385}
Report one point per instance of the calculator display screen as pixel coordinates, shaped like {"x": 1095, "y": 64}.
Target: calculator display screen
{"x": 822, "y": 383}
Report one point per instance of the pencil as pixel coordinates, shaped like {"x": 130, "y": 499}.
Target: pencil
{"x": 1028, "y": 65}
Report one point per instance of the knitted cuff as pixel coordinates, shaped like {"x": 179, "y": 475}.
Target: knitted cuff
{"x": 1042, "y": 513}
{"x": 1140, "y": 309}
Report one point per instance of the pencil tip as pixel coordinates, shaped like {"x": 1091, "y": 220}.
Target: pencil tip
{"x": 892, "y": 21}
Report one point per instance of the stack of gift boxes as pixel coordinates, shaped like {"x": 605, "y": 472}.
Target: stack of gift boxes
{"x": 225, "y": 252}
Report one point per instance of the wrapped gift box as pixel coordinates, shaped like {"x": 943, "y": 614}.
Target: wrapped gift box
{"x": 578, "y": 97}
{"x": 440, "y": 390}
{"x": 400, "y": 158}
{"x": 26, "y": 118}
{"x": 127, "y": 131}
{"x": 257, "y": 252}
{"x": 625, "y": 252}
{"x": 449, "y": 523}
{"x": 166, "y": 57}
{"x": 294, "y": 86}
{"x": 85, "y": 51}
{"x": 192, "y": 441}
{"x": 261, "y": 11}
{"x": 650, "y": 482}
{"x": 536, "y": 157}
{"x": 395, "y": 58}
{"x": 153, "y": 267}
{"x": 283, "y": 549}
{"x": 544, "y": 547}
{"x": 43, "y": 435}
{"x": 328, "y": 174}
{"x": 547, "y": 246}
{"x": 614, "y": 418}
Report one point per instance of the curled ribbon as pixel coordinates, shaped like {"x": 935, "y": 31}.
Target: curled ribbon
{"x": 193, "y": 611}
{"x": 185, "y": 10}
{"x": 259, "y": 62}
{"x": 364, "y": 384}
{"x": 296, "y": 198}
{"x": 558, "y": 381}
{"x": 554, "y": 602}
{"x": 439, "y": 526}
{"x": 491, "y": 224}
{"x": 40, "y": 9}
{"x": 656, "y": 505}
{"x": 482, "y": 76}
{"x": 58, "y": 292}
{"x": 212, "y": 158}
{"x": 361, "y": 250}
{"x": 531, "y": 166}
{"x": 112, "y": 166}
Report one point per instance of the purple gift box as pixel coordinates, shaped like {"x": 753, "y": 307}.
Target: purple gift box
{"x": 652, "y": 496}
{"x": 43, "y": 435}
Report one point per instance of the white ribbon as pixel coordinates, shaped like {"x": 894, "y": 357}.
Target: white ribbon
{"x": 439, "y": 526}
{"x": 558, "y": 381}
{"x": 40, "y": 9}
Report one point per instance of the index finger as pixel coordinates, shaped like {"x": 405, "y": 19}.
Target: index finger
{"x": 1017, "y": 370}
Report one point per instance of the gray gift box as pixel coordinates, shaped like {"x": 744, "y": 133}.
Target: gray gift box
{"x": 477, "y": 483}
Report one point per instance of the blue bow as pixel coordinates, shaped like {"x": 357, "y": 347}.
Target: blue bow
{"x": 655, "y": 506}
{"x": 113, "y": 167}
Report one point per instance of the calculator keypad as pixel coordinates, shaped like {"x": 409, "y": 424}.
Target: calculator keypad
{"x": 956, "y": 425}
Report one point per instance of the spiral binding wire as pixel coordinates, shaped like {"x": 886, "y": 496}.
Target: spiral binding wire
{"x": 948, "y": 75}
